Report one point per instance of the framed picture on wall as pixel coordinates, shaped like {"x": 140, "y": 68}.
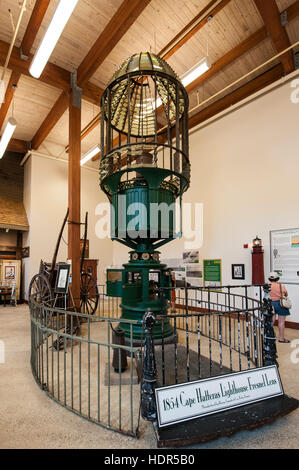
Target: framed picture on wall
{"x": 25, "y": 252}
{"x": 9, "y": 273}
{"x": 238, "y": 271}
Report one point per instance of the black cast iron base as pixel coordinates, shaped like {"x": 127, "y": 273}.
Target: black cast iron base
{"x": 225, "y": 424}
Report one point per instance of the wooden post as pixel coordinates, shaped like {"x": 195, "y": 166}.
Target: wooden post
{"x": 74, "y": 188}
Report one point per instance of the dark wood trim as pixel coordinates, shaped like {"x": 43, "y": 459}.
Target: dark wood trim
{"x": 52, "y": 74}
{"x": 271, "y": 16}
{"x": 112, "y": 34}
{"x": 74, "y": 197}
{"x": 290, "y": 324}
{"x": 17, "y": 146}
{"x": 188, "y": 31}
{"x": 119, "y": 24}
{"x": 230, "y": 57}
{"x": 7, "y": 248}
{"x": 238, "y": 95}
{"x": 237, "y": 52}
{"x": 10, "y": 90}
{"x": 34, "y": 24}
{"x": 293, "y": 11}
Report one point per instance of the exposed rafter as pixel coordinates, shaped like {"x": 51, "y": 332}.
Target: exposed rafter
{"x": 17, "y": 145}
{"x": 230, "y": 57}
{"x": 255, "y": 85}
{"x": 271, "y": 16}
{"x": 119, "y": 24}
{"x": 14, "y": 79}
{"x": 34, "y": 24}
{"x": 214, "y": 7}
{"x": 52, "y": 75}
{"x": 292, "y": 11}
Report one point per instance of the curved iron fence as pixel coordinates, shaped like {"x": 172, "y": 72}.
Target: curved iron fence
{"x": 77, "y": 360}
{"x": 71, "y": 360}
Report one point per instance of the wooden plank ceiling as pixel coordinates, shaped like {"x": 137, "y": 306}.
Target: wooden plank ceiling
{"x": 101, "y": 34}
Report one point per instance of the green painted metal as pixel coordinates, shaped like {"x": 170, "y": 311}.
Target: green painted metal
{"x": 114, "y": 282}
{"x": 139, "y": 293}
{"x": 143, "y": 171}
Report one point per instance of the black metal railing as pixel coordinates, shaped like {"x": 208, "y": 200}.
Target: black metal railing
{"x": 78, "y": 361}
{"x": 71, "y": 360}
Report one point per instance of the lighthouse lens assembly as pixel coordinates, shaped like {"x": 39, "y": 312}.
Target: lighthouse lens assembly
{"x": 144, "y": 164}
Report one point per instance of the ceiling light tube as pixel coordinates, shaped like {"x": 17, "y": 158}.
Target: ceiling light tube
{"x": 199, "y": 69}
{"x": 91, "y": 153}
{"x": 7, "y": 135}
{"x": 60, "y": 18}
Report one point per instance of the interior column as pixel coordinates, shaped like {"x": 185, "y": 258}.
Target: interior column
{"x": 74, "y": 188}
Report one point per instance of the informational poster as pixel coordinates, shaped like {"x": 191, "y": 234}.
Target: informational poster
{"x": 194, "y": 275}
{"x": 284, "y": 250}
{"x": 212, "y": 272}
{"x": 190, "y": 272}
{"x": 191, "y": 256}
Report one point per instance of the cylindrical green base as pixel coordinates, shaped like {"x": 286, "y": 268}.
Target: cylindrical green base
{"x": 139, "y": 293}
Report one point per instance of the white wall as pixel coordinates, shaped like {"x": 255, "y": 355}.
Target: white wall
{"x": 26, "y": 274}
{"x": 245, "y": 169}
{"x": 46, "y": 197}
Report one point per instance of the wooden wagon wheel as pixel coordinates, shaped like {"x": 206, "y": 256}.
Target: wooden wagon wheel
{"x": 89, "y": 294}
{"x": 40, "y": 291}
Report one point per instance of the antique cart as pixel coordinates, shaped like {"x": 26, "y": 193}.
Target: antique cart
{"x": 42, "y": 285}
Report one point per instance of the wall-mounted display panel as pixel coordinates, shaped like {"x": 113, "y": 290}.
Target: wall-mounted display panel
{"x": 284, "y": 254}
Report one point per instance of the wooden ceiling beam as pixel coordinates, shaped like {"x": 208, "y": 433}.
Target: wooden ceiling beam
{"x": 230, "y": 57}
{"x": 111, "y": 35}
{"x": 292, "y": 11}
{"x": 117, "y": 27}
{"x": 227, "y": 59}
{"x": 214, "y": 7}
{"x": 17, "y": 146}
{"x": 271, "y": 16}
{"x": 34, "y": 24}
{"x": 52, "y": 75}
{"x": 255, "y": 85}
{"x": 237, "y": 52}
{"x": 13, "y": 82}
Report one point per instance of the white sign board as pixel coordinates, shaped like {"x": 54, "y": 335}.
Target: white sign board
{"x": 192, "y": 400}
{"x": 284, "y": 246}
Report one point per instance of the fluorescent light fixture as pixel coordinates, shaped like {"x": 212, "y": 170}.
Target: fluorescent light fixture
{"x": 91, "y": 153}
{"x": 7, "y": 135}
{"x": 198, "y": 69}
{"x": 60, "y": 18}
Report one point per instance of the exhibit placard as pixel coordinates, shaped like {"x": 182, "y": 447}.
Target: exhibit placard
{"x": 284, "y": 248}
{"x": 212, "y": 272}
{"x": 183, "y": 402}
{"x": 62, "y": 279}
